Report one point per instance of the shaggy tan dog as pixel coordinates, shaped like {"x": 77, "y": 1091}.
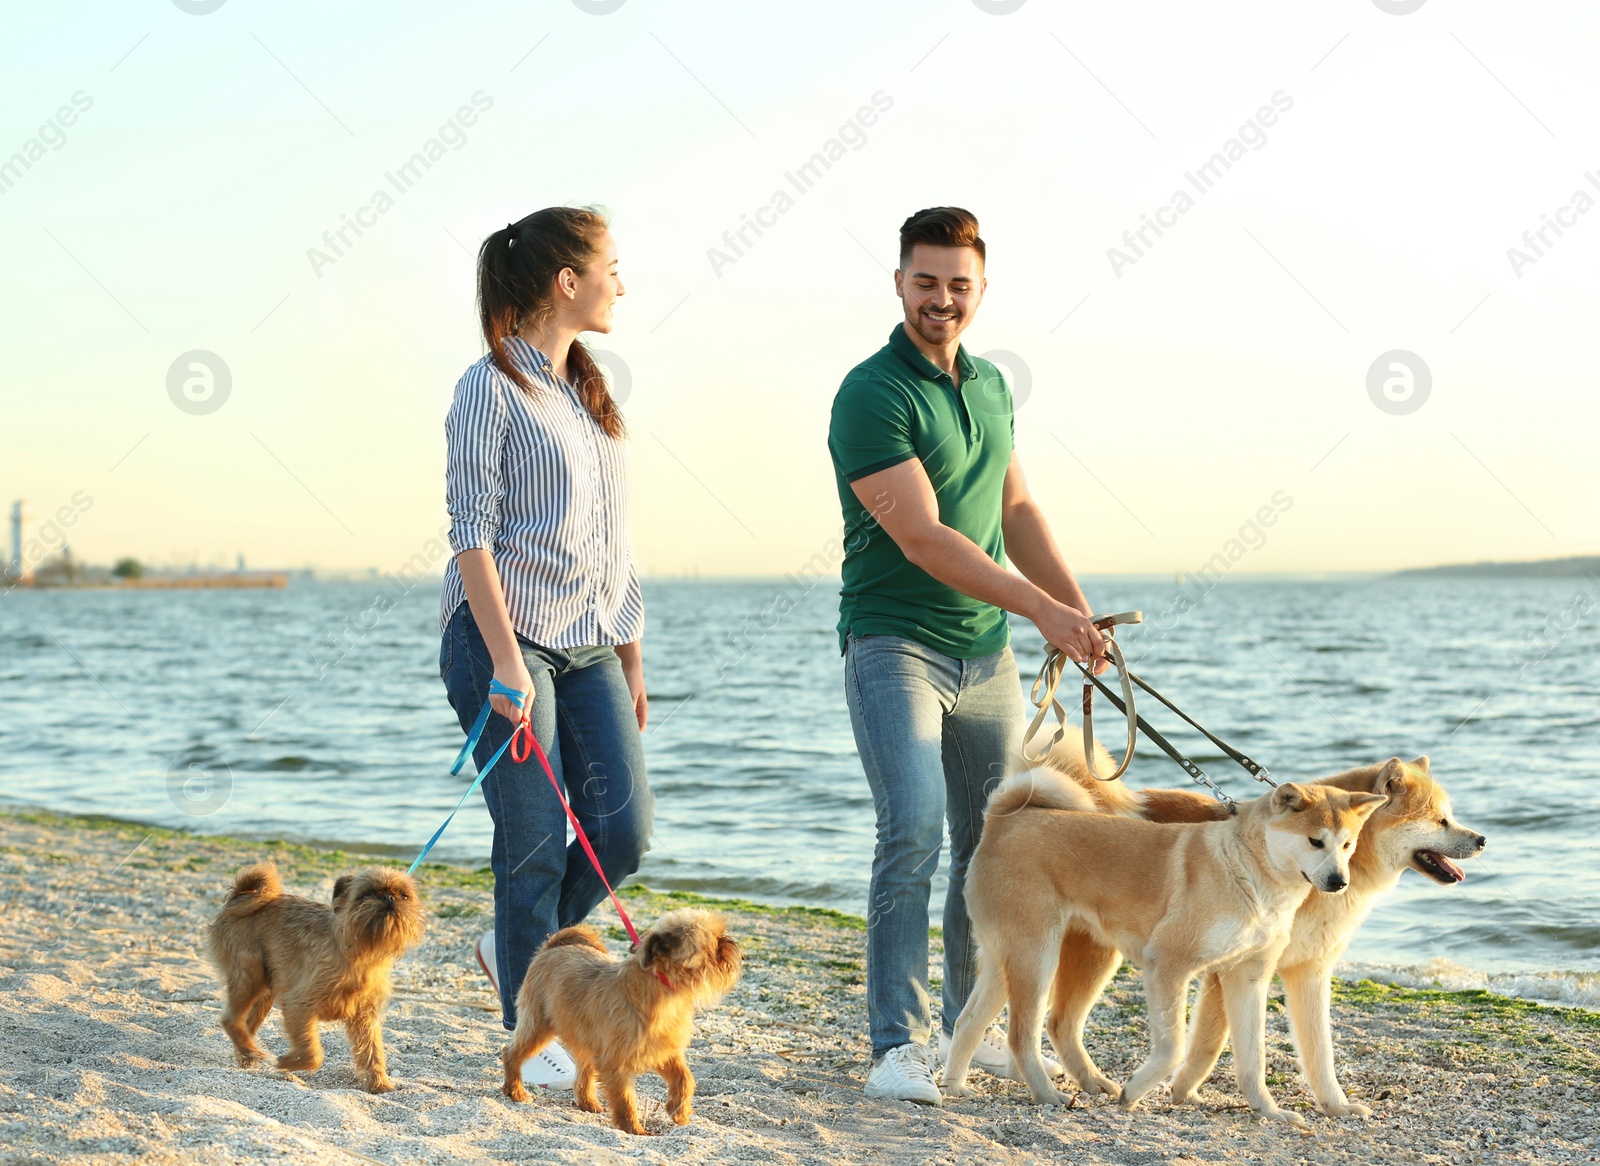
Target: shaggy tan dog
{"x": 620, "y": 1018}
{"x": 318, "y": 962}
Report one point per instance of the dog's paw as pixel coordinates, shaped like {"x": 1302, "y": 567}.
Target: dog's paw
{"x": 515, "y": 1090}
{"x": 683, "y": 1115}
{"x": 380, "y": 1084}
{"x": 1287, "y": 1116}
{"x": 958, "y": 1090}
{"x": 588, "y": 1102}
{"x": 1348, "y": 1109}
{"x": 1101, "y": 1085}
{"x": 1052, "y": 1097}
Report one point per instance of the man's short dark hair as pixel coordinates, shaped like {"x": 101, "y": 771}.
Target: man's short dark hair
{"x": 940, "y": 226}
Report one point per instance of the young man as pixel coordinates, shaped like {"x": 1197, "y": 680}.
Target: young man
{"x": 934, "y": 502}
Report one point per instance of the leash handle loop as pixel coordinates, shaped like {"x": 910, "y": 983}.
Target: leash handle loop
{"x": 1113, "y": 653}
{"x": 1043, "y": 697}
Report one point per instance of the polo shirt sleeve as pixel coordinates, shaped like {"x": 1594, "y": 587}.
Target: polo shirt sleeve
{"x": 870, "y": 429}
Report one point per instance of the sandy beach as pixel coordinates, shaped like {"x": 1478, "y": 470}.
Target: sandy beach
{"x": 110, "y": 1050}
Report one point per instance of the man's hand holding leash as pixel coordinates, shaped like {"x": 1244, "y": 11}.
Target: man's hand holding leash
{"x": 1072, "y": 631}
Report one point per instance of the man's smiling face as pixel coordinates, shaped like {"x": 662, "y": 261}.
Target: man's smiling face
{"x": 941, "y": 288}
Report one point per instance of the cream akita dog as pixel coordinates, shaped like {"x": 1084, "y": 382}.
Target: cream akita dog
{"x": 1415, "y": 829}
{"x": 1182, "y": 899}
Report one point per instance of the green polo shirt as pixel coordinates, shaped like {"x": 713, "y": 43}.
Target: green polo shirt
{"x": 894, "y": 406}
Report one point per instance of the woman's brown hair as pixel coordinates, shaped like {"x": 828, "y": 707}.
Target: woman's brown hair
{"x": 517, "y": 268}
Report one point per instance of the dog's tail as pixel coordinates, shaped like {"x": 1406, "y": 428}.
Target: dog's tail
{"x": 1114, "y": 797}
{"x": 1109, "y": 797}
{"x": 1043, "y": 787}
{"x": 254, "y": 888}
{"x": 575, "y": 937}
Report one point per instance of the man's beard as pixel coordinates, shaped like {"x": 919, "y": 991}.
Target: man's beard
{"x": 921, "y": 326}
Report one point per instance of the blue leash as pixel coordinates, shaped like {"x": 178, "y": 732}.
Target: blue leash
{"x": 495, "y": 689}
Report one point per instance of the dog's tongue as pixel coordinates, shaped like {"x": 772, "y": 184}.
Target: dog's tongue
{"x": 1447, "y": 866}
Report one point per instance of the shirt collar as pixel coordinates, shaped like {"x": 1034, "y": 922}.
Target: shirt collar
{"x": 527, "y": 357}
{"x": 907, "y": 351}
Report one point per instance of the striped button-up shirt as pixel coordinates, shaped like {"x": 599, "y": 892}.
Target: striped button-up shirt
{"x": 533, "y": 479}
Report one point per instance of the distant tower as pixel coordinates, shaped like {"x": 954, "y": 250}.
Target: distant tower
{"x": 16, "y": 538}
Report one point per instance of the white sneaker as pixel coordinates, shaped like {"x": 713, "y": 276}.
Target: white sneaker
{"x": 551, "y": 1067}
{"x": 903, "y": 1074}
{"x": 485, "y": 952}
{"x": 993, "y": 1056}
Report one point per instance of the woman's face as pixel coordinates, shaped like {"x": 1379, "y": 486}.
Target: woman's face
{"x": 597, "y": 288}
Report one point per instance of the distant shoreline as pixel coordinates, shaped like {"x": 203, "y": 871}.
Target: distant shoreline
{"x": 1575, "y": 567}
{"x": 199, "y": 582}
{"x": 1582, "y": 566}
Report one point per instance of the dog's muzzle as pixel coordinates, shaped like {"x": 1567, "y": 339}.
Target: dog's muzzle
{"x": 1438, "y": 868}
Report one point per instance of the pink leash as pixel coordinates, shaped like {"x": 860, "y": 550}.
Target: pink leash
{"x": 530, "y": 744}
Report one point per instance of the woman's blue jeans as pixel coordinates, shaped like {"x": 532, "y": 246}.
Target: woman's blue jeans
{"x": 583, "y": 717}
{"x": 935, "y": 734}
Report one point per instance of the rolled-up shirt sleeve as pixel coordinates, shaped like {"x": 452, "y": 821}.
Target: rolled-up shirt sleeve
{"x": 475, "y": 432}
{"x": 870, "y": 429}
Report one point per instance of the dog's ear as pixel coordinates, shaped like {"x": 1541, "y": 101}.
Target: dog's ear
{"x": 1421, "y": 763}
{"x": 654, "y": 948}
{"x": 1362, "y": 805}
{"x": 1290, "y": 798}
{"x": 341, "y": 887}
{"x": 1392, "y": 778}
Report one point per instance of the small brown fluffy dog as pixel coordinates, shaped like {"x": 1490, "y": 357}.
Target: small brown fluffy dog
{"x": 620, "y": 1018}
{"x": 319, "y": 962}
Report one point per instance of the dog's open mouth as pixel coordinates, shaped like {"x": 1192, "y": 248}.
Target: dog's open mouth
{"x": 1437, "y": 867}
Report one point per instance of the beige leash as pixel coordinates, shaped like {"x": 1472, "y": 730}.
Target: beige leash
{"x": 1043, "y": 697}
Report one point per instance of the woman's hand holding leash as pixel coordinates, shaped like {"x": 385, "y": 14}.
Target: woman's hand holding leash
{"x": 513, "y": 676}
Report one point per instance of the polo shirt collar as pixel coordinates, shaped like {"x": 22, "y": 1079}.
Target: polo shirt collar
{"x": 907, "y": 351}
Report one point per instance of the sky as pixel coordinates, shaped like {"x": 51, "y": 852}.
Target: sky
{"x": 1338, "y": 318}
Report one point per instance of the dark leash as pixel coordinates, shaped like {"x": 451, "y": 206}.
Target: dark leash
{"x": 1044, "y": 699}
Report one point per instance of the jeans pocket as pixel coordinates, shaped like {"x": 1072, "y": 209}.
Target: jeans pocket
{"x": 447, "y": 650}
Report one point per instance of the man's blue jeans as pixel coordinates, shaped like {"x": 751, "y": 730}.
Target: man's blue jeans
{"x": 935, "y": 735}
{"x": 583, "y": 717}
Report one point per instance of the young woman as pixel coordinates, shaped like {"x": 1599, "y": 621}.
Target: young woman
{"x": 541, "y": 593}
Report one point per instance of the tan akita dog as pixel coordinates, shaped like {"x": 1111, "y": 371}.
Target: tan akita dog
{"x": 1182, "y": 899}
{"x": 1414, "y": 829}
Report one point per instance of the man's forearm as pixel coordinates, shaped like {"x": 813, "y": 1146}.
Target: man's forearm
{"x": 1032, "y": 548}
{"x": 958, "y": 562}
